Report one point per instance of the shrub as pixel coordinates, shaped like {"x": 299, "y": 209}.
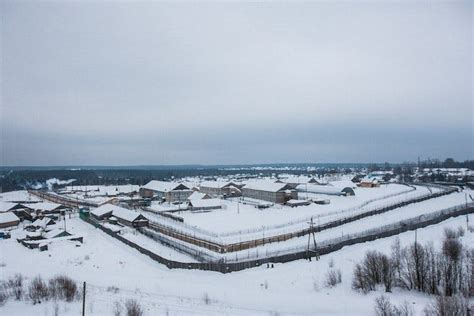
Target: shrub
{"x": 333, "y": 277}
{"x": 63, "y": 288}
{"x": 383, "y": 307}
{"x": 133, "y": 308}
{"x": 206, "y": 299}
{"x": 444, "y": 305}
{"x": 117, "y": 310}
{"x": 38, "y": 290}
{"x": 15, "y": 286}
{"x": 3, "y": 296}
{"x": 376, "y": 269}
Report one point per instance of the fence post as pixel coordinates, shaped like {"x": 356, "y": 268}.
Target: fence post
{"x": 84, "y": 299}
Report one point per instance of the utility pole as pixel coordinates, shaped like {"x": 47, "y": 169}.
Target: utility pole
{"x": 312, "y": 234}
{"x": 84, "y": 299}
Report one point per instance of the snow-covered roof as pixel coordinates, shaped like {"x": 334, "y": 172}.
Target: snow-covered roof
{"x": 294, "y": 179}
{"x": 343, "y": 184}
{"x": 322, "y": 189}
{"x": 128, "y": 215}
{"x": 55, "y": 233}
{"x": 18, "y": 197}
{"x": 297, "y": 202}
{"x": 205, "y": 203}
{"x": 41, "y": 222}
{"x": 197, "y": 196}
{"x": 215, "y": 184}
{"x": 44, "y": 206}
{"x": 103, "y": 209}
{"x": 164, "y": 186}
{"x": 8, "y": 217}
{"x": 369, "y": 180}
{"x": 267, "y": 186}
{"x": 110, "y": 190}
{"x": 117, "y": 211}
{"x": 6, "y": 206}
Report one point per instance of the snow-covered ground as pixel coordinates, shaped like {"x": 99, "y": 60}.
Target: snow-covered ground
{"x": 290, "y": 288}
{"x": 244, "y": 217}
{"x": 18, "y": 196}
{"x": 239, "y": 222}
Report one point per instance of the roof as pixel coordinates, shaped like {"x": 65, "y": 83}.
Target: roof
{"x": 6, "y": 206}
{"x": 45, "y": 206}
{"x": 197, "y": 196}
{"x": 18, "y": 197}
{"x": 321, "y": 189}
{"x": 57, "y": 232}
{"x": 206, "y": 203}
{"x": 164, "y": 186}
{"x": 43, "y": 222}
{"x": 102, "y": 210}
{"x": 298, "y": 202}
{"x": 117, "y": 211}
{"x": 216, "y": 184}
{"x": 8, "y": 217}
{"x": 267, "y": 186}
{"x": 128, "y": 215}
{"x": 367, "y": 180}
{"x": 343, "y": 184}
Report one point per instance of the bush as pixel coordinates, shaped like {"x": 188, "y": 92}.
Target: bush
{"x": 15, "y": 286}
{"x": 63, "y": 288}
{"x": 404, "y": 309}
{"x": 117, "y": 310}
{"x": 333, "y": 277}
{"x": 3, "y": 296}
{"x": 383, "y": 307}
{"x": 447, "y": 306}
{"x": 450, "y": 233}
{"x": 133, "y": 308}
{"x": 38, "y": 290}
{"x": 206, "y": 299}
{"x": 376, "y": 269}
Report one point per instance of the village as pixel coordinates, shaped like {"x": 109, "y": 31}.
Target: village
{"x": 226, "y": 225}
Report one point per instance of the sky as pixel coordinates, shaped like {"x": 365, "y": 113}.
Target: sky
{"x": 152, "y": 83}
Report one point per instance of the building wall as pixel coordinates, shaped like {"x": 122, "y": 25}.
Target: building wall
{"x": 178, "y": 195}
{"x": 275, "y": 197}
{"x": 9, "y": 224}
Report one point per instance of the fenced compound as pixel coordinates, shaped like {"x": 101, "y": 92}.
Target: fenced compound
{"x": 291, "y": 254}
{"x": 214, "y": 244}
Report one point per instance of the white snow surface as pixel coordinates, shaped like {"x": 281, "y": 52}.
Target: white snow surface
{"x": 295, "y": 288}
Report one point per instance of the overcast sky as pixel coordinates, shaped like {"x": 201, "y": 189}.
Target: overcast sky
{"x": 219, "y": 83}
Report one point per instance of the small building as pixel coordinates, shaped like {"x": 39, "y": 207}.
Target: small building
{"x": 164, "y": 190}
{"x": 8, "y": 219}
{"x": 42, "y": 222}
{"x": 295, "y": 203}
{"x": 294, "y": 181}
{"x": 130, "y": 218}
{"x": 269, "y": 191}
{"x": 369, "y": 183}
{"x": 205, "y": 204}
{"x": 196, "y": 195}
{"x": 102, "y": 212}
{"x": 123, "y": 216}
{"x": 325, "y": 189}
{"x": 56, "y": 233}
{"x": 47, "y": 208}
{"x": 218, "y": 188}
{"x": 20, "y": 210}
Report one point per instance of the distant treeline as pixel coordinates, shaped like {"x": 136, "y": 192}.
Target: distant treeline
{"x": 17, "y": 178}
{"x": 448, "y": 163}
